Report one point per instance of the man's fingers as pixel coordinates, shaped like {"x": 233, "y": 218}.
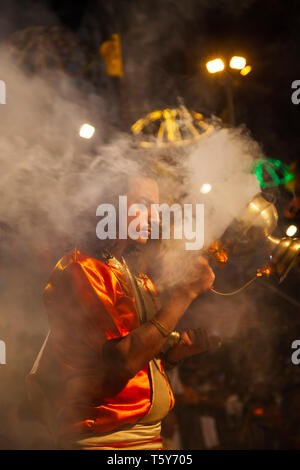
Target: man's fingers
{"x": 201, "y": 337}
{"x": 206, "y": 340}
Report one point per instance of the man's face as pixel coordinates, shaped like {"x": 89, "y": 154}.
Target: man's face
{"x": 144, "y": 191}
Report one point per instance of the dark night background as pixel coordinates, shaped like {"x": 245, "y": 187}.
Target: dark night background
{"x": 182, "y": 36}
{"x": 165, "y": 46}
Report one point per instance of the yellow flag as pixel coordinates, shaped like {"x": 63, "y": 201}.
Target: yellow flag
{"x": 111, "y": 54}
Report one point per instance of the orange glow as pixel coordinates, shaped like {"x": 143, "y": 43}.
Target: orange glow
{"x": 219, "y": 254}
{"x": 258, "y": 412}
{"x": 246, "y": 70}
{"x": 266, "y": 269}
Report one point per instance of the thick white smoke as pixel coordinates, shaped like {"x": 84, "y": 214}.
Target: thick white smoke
{"x": 49, "y": 177}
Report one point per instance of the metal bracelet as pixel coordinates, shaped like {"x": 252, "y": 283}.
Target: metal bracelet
{"x": 173, "y": 339}
{"x": 163, "y": 330}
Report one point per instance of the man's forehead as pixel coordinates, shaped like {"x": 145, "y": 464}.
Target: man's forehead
{"x": 143, "y": 186}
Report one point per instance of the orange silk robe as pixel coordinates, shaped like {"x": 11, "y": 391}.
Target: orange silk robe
{"x": 86, "y": 306}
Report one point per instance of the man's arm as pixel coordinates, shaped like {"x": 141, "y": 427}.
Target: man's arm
{"x": 125, "y": 357}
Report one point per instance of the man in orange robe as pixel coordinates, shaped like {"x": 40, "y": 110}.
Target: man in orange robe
{"x": 107, "y": 333}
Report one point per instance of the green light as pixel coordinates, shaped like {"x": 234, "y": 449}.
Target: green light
{"x": 272, "y": 167}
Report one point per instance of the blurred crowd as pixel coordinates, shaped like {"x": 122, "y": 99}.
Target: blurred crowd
{"x": 215, "y": 409}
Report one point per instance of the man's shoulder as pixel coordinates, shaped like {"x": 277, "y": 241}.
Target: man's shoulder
{"x": 76, "y": 266}
{"x": 76, "y": 258}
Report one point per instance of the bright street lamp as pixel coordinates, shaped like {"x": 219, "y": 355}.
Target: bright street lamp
{"x": 216, "y": 65}
{"x": 237, "y": 62}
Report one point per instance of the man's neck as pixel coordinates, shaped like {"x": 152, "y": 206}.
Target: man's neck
{"x": 118, "y": 249}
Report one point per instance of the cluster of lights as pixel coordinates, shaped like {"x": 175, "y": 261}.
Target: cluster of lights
{"x": 236, "y": 62}
{"x": 176, "y": 127}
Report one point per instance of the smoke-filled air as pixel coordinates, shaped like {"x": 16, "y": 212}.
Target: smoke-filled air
{"x": 52, "y": 181}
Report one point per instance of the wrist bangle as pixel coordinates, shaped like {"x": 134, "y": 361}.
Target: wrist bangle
{"x": 163, "y": 330}
{"x": 173, "y": 338}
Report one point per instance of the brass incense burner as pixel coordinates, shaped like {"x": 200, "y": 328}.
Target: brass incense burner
{"x": 253, "y": 229}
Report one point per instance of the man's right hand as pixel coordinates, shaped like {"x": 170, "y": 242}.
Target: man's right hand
{"x": 200, "y": 280}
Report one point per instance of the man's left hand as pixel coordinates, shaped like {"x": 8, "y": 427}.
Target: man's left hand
{"x": 193, "y": 342}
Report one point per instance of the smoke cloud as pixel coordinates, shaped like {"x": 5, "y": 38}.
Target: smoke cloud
{"x": 50, "y": 178}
